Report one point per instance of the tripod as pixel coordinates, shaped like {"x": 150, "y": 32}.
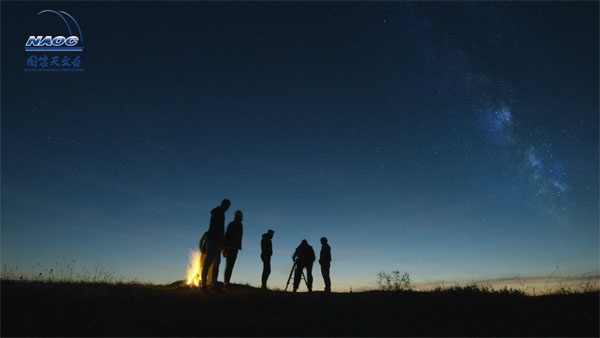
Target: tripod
{"x": 294, "y": 267}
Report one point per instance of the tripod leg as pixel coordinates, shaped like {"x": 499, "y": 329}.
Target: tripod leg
{"x": 290, "y": 277}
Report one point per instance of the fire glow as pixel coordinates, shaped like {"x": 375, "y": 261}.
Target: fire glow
{"x": 194, "y": 271}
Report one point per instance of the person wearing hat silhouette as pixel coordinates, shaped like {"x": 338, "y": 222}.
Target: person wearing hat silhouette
{"x": 266, "y": 248}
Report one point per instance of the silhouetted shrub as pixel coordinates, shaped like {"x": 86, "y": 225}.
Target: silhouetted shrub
{"x": 394, "y": 281}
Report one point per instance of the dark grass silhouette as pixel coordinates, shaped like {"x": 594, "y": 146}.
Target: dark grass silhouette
{"x": 36, "y": 308}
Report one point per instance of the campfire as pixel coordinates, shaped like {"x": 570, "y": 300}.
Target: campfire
{"x": 194, "y": 269}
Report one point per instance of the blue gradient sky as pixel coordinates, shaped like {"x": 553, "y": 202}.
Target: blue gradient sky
{"x": 453, "y": 141}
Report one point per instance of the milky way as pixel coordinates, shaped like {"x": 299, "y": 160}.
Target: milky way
{"x": 537, "y": 163}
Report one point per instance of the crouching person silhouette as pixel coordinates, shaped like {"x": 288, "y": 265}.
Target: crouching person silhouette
{"x": 304, "y": 256}
{"x": 203, "y": 252}
{"x": 214, "y": 243}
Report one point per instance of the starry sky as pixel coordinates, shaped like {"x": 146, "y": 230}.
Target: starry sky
{"x": 454, "y": 141}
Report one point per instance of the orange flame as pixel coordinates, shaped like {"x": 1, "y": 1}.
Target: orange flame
{"x": 194, "y": 270}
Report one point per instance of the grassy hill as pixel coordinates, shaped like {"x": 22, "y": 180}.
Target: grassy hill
{"x": 96, "y": 309}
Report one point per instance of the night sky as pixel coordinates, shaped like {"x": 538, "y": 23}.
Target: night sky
{"x": 454, "y": 141}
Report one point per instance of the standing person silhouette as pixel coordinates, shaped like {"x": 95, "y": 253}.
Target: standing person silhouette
{"x": 325, "y": 262}
{"x": 232, "y": 243}
{"x": 214, "y": 243}
{"x": 304, "y": 256}
{"x": 266, "y": 248}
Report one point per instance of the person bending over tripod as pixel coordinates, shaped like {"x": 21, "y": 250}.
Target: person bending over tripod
{"x": 304, "y": 256}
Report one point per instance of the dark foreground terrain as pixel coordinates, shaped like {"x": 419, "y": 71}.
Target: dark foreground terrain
{"x": 78, "y": 309}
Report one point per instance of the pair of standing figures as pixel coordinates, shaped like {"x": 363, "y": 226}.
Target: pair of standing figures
{"x": 216, "y": 242}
